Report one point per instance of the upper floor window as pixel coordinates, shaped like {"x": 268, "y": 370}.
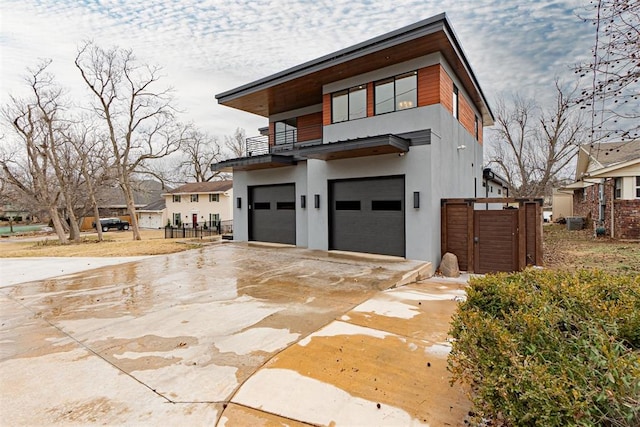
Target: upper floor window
{"x": 214, "y": 197}
{"x": 476, "y": 128}
{"x": 455, "y": 102}
{"x": 194, "y": 197}
{"x": 617, "y": 188}
{"x": 286, "y": 131}
{"x": 396, "y": 93}
{"x": 637, "y": 187}
{"x": 176, "y": 198}
{"x": 349, "y": 104}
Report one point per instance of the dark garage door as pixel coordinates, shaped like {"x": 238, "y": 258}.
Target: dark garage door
{"x": 367, "y": 215}
{"x": 272, "y": 213}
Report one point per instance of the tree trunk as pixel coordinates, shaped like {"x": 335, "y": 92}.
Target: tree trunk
{"x": 58, "y": 224}
{"x": 131, "y": 207}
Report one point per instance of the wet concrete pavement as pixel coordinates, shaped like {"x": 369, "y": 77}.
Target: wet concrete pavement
{"x": 230, "y": 335}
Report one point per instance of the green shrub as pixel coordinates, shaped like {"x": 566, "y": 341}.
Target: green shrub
{"x": 552, "y": 349}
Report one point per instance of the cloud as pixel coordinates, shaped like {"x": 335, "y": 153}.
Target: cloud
{"x": 209, "y": 46}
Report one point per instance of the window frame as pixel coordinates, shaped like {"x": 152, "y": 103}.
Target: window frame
{"x": 214, "y": 197}
{"x": 176, "y": 198}
{"x": 394, "y": 80}
{"x": 194, "y": 198}
{"x": 350, "y": 97}
{"x": 177, "y": 219}
{"x": 456, "y": 102}
{"x": 476, "y": 125}
{"x": 638, "y": 187}
{"x": 617, "y": 188}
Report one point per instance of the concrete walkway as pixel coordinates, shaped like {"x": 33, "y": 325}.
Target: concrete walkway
{"x": 230, "y": 335}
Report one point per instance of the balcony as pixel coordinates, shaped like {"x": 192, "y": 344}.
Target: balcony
{"x": 288, "y": 148}
{"x": 285, "y": 142}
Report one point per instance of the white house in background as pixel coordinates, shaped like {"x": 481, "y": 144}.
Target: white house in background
{"x": 153, "y": 215}
{"x": 200, "y": 204}
{"x": 362, "y": 145}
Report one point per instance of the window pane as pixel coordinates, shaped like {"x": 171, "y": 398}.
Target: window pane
{"x": 286, "y": 205}
{"x": 347, "y": 205}
{"x": 285, "y": 131}
{"x": 262, "y": 205}
{"x": 339, "y": 107}
{"x": 455, "y": 101}
{"x": 358, "y": 102}
{"x": 384, "y": 97}
{"x": 406, "y": 91}
{"x": 386, "y": 205}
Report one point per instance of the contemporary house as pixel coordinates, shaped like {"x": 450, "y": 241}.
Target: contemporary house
{"x": 362, "y": 144}
{"x": 607, "y": 188}
{"x": 200, "y": 204}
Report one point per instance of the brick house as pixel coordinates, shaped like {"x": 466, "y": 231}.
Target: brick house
{"x": 607, "y": 188}
{"x": 361, "y": 145}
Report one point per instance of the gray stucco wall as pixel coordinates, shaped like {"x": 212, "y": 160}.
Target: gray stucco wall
{"x": 242, "y": 180}
{"x": 436, "y": 171}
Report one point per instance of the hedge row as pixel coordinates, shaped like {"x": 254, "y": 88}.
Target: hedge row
{"x": 552, "y": 349}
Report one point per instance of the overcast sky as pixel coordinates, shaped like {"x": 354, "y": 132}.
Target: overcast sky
{"x": 210, "y": 46}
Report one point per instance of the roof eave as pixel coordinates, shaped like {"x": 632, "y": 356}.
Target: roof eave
{"x": 411, "y": 32}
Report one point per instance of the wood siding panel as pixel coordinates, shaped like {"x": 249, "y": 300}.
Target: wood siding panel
{"x": 310, "y": 127}
{"x": 446, "y": 91}
{"x": 370, "y": 100}
{"x": 467, "y": 116}
{"x": 272, "y": 132}
{"x": 429, "y": 85}
{"x": 326, "y": 109}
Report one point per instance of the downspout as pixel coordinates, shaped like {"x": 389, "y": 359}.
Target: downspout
{"x": 602, "y": 204}
{"x": 613, "y": 194}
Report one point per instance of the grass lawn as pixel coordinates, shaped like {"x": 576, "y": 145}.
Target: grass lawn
{"x": 573, "y": 250}
{"x": 116, "y": 243}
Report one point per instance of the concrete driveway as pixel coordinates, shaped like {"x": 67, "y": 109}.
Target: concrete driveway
{"x": 230, "y": 335}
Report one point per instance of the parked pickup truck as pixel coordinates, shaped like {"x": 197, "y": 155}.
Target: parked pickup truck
{"x": 109, "y": 223}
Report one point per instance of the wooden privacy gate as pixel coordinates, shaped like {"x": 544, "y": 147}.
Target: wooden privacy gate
{"x": 487, "y": 239}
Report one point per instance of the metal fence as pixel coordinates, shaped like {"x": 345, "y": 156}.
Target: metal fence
{"x": 207, "y": 229}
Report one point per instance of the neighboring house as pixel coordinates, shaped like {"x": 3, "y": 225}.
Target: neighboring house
{"x": 607, "y": 187}
{"x": 111, "y": 201}
{"x": 153, "y": 215}
{"x": 362, "y": 145}
{"x": 495, "y": 187}
{"x": 200, "y": 204}
{"x": 562, "y": 204}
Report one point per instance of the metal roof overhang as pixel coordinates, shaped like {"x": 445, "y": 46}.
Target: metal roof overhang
{"x": 301, "y": 86}
{"x": 372, "y": 146}
{"x": 265, "y": 161}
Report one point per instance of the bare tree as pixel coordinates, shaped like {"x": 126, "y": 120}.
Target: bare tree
{"x": 199, "y": 151}
{"x": 53, "y": 142}
{"x": 613, "y": 72}
{"x": 139, "y": 118}
{"x": 531, "y": 146}
{"x": 31, "y": 174}
{"x": 93, "y": 163}
{"x": 236, "y": 143}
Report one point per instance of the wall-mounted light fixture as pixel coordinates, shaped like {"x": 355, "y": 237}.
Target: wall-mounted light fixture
{"x": 416, "y": 199}
{"x": 239, "y": 202}
{"x": 303, "y": 201}
{"x": 461, "y": 147}
{"x": 316, "y": 201}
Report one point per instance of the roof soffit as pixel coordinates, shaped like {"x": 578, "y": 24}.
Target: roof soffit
{"x": 301, "y": 86}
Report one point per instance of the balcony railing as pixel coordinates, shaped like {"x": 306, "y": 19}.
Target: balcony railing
{"x": 279, "y": 142}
